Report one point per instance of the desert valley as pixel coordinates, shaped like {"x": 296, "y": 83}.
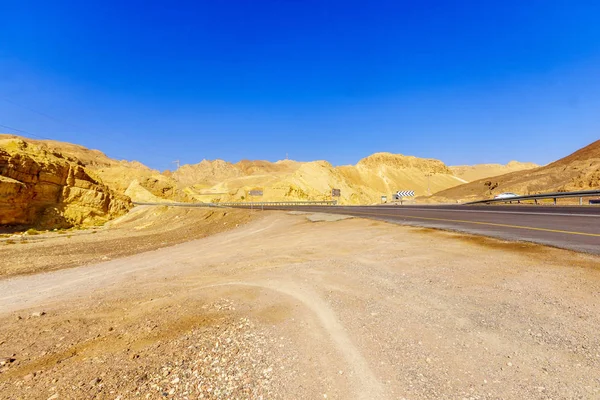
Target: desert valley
{"x": 102, "y": 298}
{"x": 300, "y": 200}
{"x": 53, "y": 184}
{"x": 58, "y": 184}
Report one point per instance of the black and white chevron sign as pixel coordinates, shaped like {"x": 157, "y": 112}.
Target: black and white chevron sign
{"x": 405, "y": 193}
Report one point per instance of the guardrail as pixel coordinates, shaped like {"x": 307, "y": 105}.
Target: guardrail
{"x": 241, "y": 204}
{"x": 278, "y": 203}
{"x": 535, "y": 197}
{"x": 175, "y": 204}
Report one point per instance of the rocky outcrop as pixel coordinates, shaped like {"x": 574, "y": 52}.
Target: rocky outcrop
{"x": 44, "y": 189}
{"x": 118, "y": 175}
{"x": 379, "y": 161}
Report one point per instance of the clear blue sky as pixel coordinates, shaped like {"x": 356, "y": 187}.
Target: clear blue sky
{"x": 462, "y": 81}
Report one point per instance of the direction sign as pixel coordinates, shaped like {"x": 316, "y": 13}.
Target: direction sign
{"x": 335, "y": 193}
{"x": 404, "y": 193}
{"x": 255, "y": 193}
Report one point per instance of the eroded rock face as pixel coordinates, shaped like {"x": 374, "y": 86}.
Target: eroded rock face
{"x": 44, "y": 189}
{"x": 118, "y": 175}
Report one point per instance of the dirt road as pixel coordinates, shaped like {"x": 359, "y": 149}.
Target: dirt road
{"x": 282, "y": 307}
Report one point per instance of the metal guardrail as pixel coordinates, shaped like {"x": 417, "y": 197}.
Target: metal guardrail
{"x": 278, "y": 203}
{"x": 241, "y": 204}
{"x": 164, "y": 203}
{"x": 535, "y": 197}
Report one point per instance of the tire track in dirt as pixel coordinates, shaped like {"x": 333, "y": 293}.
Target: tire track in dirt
{"x": 366, "y": 386}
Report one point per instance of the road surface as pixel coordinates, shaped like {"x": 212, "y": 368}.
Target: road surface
{"x": 568, "y": 227}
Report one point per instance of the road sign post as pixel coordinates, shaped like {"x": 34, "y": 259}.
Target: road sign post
{"x": 404, "y": 193}
{"x": 258, "y": 193}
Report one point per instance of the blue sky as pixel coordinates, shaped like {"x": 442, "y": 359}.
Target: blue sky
{"x": 462, "y": 81}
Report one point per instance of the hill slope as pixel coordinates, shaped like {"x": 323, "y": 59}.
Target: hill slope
{"x": 578, "y": 171}
{"x": 471, "y": 173}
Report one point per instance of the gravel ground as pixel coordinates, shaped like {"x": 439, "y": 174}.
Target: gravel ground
{"x": 282, "y": 307}
{"x": 144, "y": 228}
{"x": 216, "y": 355}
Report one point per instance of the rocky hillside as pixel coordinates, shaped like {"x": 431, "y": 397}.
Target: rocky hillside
{"x": 470, "y": 173}
{"x": 217, "y": 181}
{"x": 578, "y": 171}
{"x": 363, "y": 183}
{"x": 44, "y": 188}
{"x": 131, "y": 178}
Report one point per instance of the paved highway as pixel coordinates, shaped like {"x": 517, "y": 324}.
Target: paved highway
{"x": 575, "y": 228}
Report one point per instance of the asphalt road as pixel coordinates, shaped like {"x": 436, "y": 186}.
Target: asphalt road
{"x": 569, "y": 227}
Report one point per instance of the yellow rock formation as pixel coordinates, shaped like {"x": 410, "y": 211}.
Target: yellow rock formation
{"x": 219, "y": 181}
{"x": 118, "y": 175}
{"x": 43, "y": 188}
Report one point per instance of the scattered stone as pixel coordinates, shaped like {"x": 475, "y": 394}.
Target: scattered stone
{"x": 96, "y": 381}
{"x": 29, "y": 377}
{"x": 7, "y": 360}
{"x": 38, "y": 314}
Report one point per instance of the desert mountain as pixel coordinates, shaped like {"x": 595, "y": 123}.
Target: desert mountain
{"x": 131, "y": 178}
{"x": 470, "y": 173}
{"x": 363, "y": 183}
{"x": 43, "y": 188}
{"x": 578, "y": 171}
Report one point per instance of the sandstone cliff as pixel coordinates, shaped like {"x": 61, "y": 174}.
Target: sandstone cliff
{"x": 44, "y": 189}
{"x": 126, "y": 177}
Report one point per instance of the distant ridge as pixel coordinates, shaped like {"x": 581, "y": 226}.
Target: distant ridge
{"x": 577, "y": 171}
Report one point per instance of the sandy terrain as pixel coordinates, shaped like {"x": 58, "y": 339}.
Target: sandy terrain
{"x": 142, "y": 229}
{"x": 282, "y": 307}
